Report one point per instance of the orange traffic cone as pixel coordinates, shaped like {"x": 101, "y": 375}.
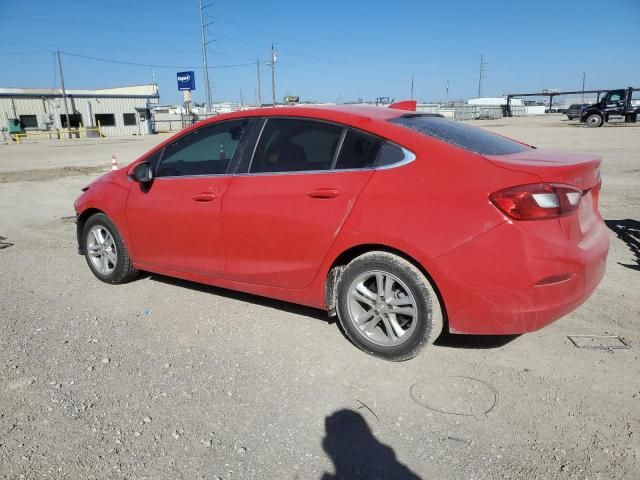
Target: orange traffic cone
{"x": 114, "y": 164}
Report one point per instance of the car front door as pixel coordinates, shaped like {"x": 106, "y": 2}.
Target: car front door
{"x": 174, "y": 222}
{"x": 284, "y": 209}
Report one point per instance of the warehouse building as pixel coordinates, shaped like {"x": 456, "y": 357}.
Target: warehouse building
{"x": 118, "y": 111}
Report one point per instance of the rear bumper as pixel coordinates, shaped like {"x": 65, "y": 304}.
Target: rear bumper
{"x": 511, "y": 280}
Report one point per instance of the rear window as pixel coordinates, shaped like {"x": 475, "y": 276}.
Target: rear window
{"x": 464, "y": 136}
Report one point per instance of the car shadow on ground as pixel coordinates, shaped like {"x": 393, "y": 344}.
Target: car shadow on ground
{"x": 628, "y": 231}
{"x": 478, "y": 342}
{"x": 356, "y": 453}
{"x": 446, "y": 339}
{"x": 243, "y": 297}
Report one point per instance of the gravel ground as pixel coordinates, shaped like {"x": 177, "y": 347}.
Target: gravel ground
{"x": 163, "y": 378}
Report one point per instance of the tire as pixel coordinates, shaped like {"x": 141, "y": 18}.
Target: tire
{"x": 371, "y": 324}
{"x": 594, "y": 120}
{"x": 105, "y": 251}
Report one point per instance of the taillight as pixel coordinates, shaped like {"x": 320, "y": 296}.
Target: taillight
{"x": 537, "y": 201}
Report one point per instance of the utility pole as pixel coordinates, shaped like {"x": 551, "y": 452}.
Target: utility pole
{"x": 259, "y": 90}
{"x": 203, "y": 38}
{"x": 446, "y": 93}
{"x": 584, "y": 75}
{"x": 482, "y": 72}
{"x": 64, "y": 92}
{"x": 412, "y": 86}
{"x": 274, "y": 58}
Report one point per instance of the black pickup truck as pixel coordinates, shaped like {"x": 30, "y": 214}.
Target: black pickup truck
{"x": 613, "y": 102}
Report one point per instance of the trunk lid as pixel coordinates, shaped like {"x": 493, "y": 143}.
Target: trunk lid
{"x": 578, "y": 170}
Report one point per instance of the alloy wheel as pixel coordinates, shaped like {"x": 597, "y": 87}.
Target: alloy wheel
{"x": 382, "y": 308}
{"x": 102, "y": 251}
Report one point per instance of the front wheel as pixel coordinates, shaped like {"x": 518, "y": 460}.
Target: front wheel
{"x": 105, "y": 251}
{"x": 594, "y": 120}
{"x": 387, "y": 307}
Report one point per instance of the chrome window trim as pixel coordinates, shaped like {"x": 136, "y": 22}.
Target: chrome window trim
{"x": 409, "y": 157}
{"x": 304, "y": 172}
{"x": 172, "y": 177}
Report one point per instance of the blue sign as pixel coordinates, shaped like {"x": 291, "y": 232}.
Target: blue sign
{"x": 186, "y": 81}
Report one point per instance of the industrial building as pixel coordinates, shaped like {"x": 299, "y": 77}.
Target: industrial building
{"x": 118, "y": 111}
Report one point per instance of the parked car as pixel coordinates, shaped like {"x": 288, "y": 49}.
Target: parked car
{"x": 403, "y": 224}
{"x": 575, "y": 110}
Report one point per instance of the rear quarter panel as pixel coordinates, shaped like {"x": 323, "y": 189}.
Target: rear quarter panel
{"x": 427, "y": 207}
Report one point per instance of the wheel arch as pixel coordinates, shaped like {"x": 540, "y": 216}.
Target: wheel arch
{"x": 338, "y": 264}
{"x": 587, "y": 113}
{"x": 81, "y": 220}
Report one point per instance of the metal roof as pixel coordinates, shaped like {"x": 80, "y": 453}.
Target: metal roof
{"x": 133, "y": 91}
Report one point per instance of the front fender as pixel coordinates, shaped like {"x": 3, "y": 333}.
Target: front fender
{"x": 107, "y": 197}
{"x": 585, "y": 114}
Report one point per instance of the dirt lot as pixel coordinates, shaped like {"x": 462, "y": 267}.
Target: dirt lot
{"x": 167, "y": 379}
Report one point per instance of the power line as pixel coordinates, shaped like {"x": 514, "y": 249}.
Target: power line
{"x": 99, "y": 47}
{"x": 131, "y": 7}
{"x": 99, "y": 25}
{"x": 152, "y": 65}
{"x": 96, "y": 47}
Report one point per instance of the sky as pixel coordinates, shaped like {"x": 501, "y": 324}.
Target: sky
{"x": 327, "y": 51}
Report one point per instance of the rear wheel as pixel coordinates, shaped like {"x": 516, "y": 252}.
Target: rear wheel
{"x": 105, "y": 251}
{"x": 594, "y": 120}
{"x": 387, "y": 307}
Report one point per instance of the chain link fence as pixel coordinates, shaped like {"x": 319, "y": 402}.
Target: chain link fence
{"x": 486, "y": 112}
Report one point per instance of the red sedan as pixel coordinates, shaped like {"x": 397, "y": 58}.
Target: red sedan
{"x": 400, "y": 223}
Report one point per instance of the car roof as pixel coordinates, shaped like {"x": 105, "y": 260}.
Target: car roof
{"x": 340, "y": 113}
{"x": 366, "y": 117}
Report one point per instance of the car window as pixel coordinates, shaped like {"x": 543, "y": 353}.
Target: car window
{"x": 359, "y": 150}
{"x": 293, "y": 145}
{"x": 391, "y": 155}
{"x": 206, "y": 151}
{"x": 615, "y": 97}
{"x": 464, "y": 136}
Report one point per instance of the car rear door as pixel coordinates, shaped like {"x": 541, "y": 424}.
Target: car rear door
{"x": 286, "y": 206}
{"x": 174, "y": 222}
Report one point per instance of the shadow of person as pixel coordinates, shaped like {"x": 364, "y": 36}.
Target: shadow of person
{"x": 628, "y": 231}
{"x": 356, "y": 453}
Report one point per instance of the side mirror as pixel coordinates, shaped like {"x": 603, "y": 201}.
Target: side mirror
{"x": 143, "y": 172}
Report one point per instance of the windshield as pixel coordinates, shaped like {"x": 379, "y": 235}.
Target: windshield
{"x": 464, "y": 136}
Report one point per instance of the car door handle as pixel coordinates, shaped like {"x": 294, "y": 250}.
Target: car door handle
{"x": 324, "y": 193}
{"x": 204, "y": 197}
